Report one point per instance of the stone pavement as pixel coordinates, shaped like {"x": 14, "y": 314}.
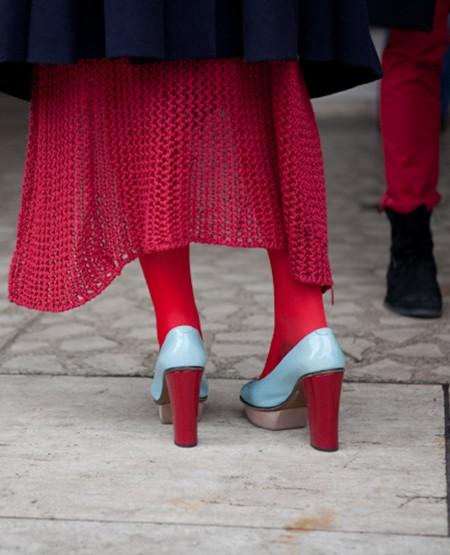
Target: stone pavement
{"x": 85, "y": 467}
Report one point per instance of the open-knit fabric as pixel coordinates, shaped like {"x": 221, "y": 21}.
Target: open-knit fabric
{"x": 125, "y": 159}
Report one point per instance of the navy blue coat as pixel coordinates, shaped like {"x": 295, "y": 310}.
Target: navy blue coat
{"x": 403, "y": 14}
{"x": 330, "y": 38}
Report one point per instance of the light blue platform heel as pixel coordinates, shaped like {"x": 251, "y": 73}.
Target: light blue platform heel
{"x": 180, "y": 386}
{"x": 304, "y": 386}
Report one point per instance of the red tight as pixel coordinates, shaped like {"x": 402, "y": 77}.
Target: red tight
{"x": 168, "y": 277}
{"x": 298, "y": 307}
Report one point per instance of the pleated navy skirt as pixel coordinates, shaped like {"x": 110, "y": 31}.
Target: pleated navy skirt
{"x": 330, "y": 38}
{"x": 416, "y": 15}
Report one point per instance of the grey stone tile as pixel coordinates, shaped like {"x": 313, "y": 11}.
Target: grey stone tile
{"x": 206, "y": 298}
{"x": 92, "y": 449}
{"x": 8, "y": 319}
{"x": 238, "y": 349}
{"x": 355, "y": 346}
{"x": 381, "y": 370}
{"x": 439, "y": 374}
{"x": 109, "y": 305}
{"x": 53, "y": 537}
{"x": 401, "y": 321}
{"x": 264, "y": 300}
{"x": 346, "y": 308}
{"x": 344, "y": 321}
{"x": 263, "y": 287}
{"x": 6, "y": 332}
{"x": 220, "y": 311}
{"x": 244, "y": 336}
{"x": 396, "y": 336}
{"x": 444, "y": 337}
{"x": 4, "y": 303}
{"x": 93, "y": 343}
{"x": 21, "y": 346}
{"x": 145, "y": 333}
{"x": 117, "y": 364}
{"x": 33, "y": 364}
{"x": 249, "y": 368}
{"x": 418, "y": 350}
{"x": 214, "y": 326}
{"x": 258, "y": 321}
{"x": 57, "y": 332}
{"x": 133, "y": 320}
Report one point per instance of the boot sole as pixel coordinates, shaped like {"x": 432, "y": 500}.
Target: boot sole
{"x": 427, "y": 313}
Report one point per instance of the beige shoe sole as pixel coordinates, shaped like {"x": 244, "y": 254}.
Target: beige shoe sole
{"x": 292, "y": 414}
{"x": 277, "y": 420}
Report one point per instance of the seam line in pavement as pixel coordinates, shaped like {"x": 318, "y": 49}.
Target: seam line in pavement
{"x": 19, "y": 332}
{"x": 445, "y": 388}
{"x": 212, "y": 525}
{"x": 212, "y": 378}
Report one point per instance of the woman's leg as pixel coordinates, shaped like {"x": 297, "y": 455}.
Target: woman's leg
{"x": 306, "y": 389}
{"x": 168, "y": 277}
{"x": 181, "y": 368}
{"x": 298, "y": 309}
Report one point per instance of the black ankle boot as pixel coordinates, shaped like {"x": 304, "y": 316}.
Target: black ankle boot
{"x": 412, "y": 287}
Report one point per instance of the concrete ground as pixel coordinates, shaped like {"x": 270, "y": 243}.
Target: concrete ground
{"x": 85, "y": 466}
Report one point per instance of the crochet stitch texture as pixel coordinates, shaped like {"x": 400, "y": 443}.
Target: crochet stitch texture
{"x": 125, "y": 159}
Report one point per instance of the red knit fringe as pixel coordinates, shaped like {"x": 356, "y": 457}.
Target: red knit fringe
{"x": 125, "y": 159}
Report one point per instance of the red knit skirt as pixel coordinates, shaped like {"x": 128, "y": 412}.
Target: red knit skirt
{"x": 126, "y": 159}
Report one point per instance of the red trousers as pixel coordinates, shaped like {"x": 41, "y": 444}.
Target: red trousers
{"x": 410, "y": 114}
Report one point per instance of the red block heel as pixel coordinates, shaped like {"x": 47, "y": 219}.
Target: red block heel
{"x": 184, "y": 392}
{"x": 323, "y": 392}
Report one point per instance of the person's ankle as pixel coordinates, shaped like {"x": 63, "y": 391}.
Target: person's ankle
{"x": 283, "y": 341}
{"x": 163, "y": 330}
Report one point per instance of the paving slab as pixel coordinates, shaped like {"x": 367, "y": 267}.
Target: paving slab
{"x": 50, "y": 537}
{"x": 92, "y": 449}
